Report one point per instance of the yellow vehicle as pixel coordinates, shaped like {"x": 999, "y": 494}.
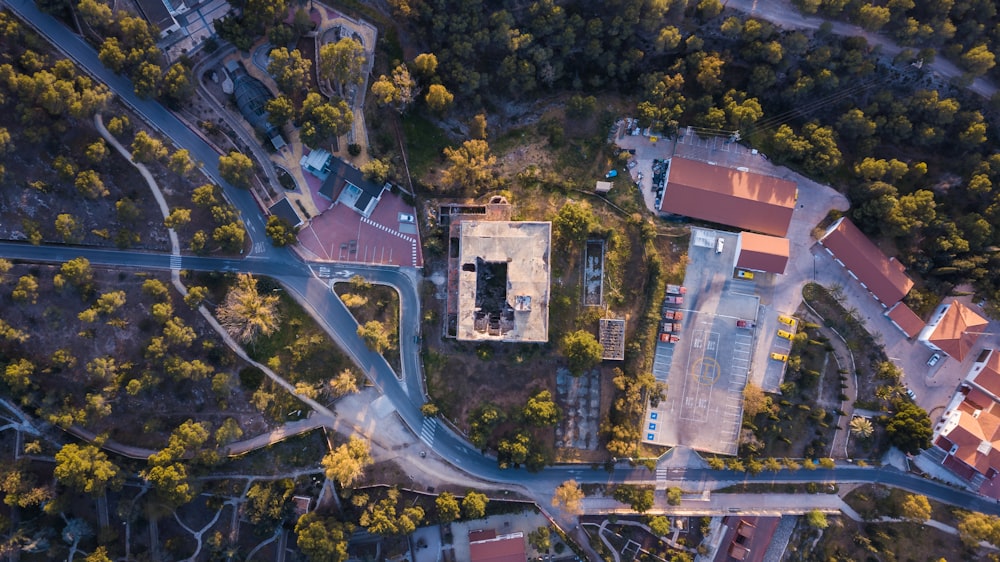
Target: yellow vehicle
{"x": 779, "y": 357}
{"x": 786, "y": 320}
{"x": 784, "y": 334}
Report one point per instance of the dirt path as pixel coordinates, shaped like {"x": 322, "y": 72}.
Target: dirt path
{"x": 845, "y": 362}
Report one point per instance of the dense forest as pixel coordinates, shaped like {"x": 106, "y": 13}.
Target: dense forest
{"x": 915, "y": 155}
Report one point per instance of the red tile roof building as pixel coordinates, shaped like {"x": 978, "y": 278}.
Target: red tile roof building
{"x": 970, "y": 435}
{"x": 884, "y": 277}
{"x": 758, "y": 252}
{"x": 953, "y": 330}
{"x": 905, "y": 319}
{"x": 487, "y": 546}
{"x": 727, "y": 196}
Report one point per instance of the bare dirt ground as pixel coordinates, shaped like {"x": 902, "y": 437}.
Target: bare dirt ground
{"x": 33, "y": 195}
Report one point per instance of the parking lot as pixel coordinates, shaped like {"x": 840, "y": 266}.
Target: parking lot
{"x": 707, "y": 369}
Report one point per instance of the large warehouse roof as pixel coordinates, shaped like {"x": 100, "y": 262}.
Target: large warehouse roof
{"x": 726, "y": 196}
{"x": 884, "y": 276}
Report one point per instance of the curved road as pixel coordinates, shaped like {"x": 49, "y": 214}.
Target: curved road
{"x": 406, "y": 395}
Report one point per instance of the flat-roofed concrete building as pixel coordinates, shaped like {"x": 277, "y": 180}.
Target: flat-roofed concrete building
{"x": 718, "y": 194}
{"x": 758, "y": 252}
{"x": 503, "y": 281}
{"x": 884, "y": 277}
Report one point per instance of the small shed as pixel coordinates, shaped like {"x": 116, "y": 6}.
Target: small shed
{"x": 604, "y": 187}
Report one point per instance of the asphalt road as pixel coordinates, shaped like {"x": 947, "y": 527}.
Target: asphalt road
{"x": 407, "y": 394}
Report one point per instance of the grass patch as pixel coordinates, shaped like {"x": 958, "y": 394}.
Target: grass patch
{"x": 424, "y": 143}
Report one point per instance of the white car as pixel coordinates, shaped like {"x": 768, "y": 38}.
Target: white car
{"x": 406, "y": 218}
{"x": 718, "y": 245}
{"x": 934, "y": 360}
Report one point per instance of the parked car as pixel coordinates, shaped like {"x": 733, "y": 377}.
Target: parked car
{"x": 745, "y": 324}
{"x": 676, "y": 290}
{"x": 403, "y": 217}
{"x": 744, "y": 274}
{"x": 934, "y": 360}
{"x": 669, "y": 338}
{"x": 784, "y": 334}
{"x": 786, "y": 320}
{"x": 718, "y": 245}
{"x": 674, "y": 300}
{"x": 911, "y": 394}
{"x": 779, "y": 357}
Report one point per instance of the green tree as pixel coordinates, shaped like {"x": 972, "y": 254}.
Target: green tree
{"x": 89, "y": 184}
{"x": 146, "y": 79}
{"x": 230, "y": 237}
{"x": 322, "y": 539}
{"x": 68, "y": 228}
{"x": 156, "y": 289}
{"x": 426, "y": 64}
{"x": 384, "y": 518}
{"x": 375, "y": 336}
{"x": 170, "y": 480}
{"x": 574, "y": 222}
{"x": 280, "y": 110}
{"x": 915, "y": 508}
{"x": 447, "y": 507}
{"x": 582, "y": 351}
{"x": 430, "y": 410}
{"x": 290, "y": 70}
{"x": 974, "y": 527}
{"x": 861, "y": 427}
{"x": 26, "y": 289}
{"x": 438, "y": 98}
{"x": 177, "y": 85}
{"x": 540, "y": 539}
{"x": 385, "y": 91}
{"x": 146, "y": 149}
{"x": 474, "y": 505}
{"x": 376, "y": 170}
{"x": 346, "y": 464}
{"x": 470, "y": 166}
{"x": 660, "y": 526}
{"x": 978, "y": 60}
{"x": 909, "y": 428}
{"x": 640, "y": 498}
{"x": 177, "y": 218}
{"x": 17, "y": 374}
{"x": 321, "y": 119}
{"x": 180, "y": 162}
{"x": 817, "y": 519}
{"x": 674, "y": 495}
{"x": 342, "y": 63}
{"x": 569, "y": 496}
{"x": 96, "y": 151}
{"x": 268, "y": 503}
{"x": 246, "y": 314}
{"x": 87, "y": 469}
{"x": 279, "y": 231}
{"x": 541, "y": 410}
{"x": 195, "y": 296}
{"x": 236, "y": 168}
{"x": 344, "y": 383}
{"x": 111, "y": 54}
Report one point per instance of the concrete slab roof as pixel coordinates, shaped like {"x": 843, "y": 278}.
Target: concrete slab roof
{"x": 523, "y": 248}
{"x": 728, "y": 196}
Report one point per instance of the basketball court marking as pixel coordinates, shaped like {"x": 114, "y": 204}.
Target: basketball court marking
{"x": 702, "y": 373}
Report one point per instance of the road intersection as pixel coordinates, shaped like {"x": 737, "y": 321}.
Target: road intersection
{"x": 302, "y": 280}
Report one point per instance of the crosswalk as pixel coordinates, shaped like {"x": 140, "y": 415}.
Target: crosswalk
{"x": 385, "y": 228}
{"x": 427, "y": 430}
{"x": 175, "y": 262}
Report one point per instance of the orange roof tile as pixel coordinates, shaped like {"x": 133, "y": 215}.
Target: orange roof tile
{"x": 958, "y": 330}
{"x": 989, "y": 377}
{"x": 977, "y": 435}
{"x": 884, "y": 276}
{"x": 906, "y": 319}
{"x": 727, "y": 196}
{"x": 763, "y": 253}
